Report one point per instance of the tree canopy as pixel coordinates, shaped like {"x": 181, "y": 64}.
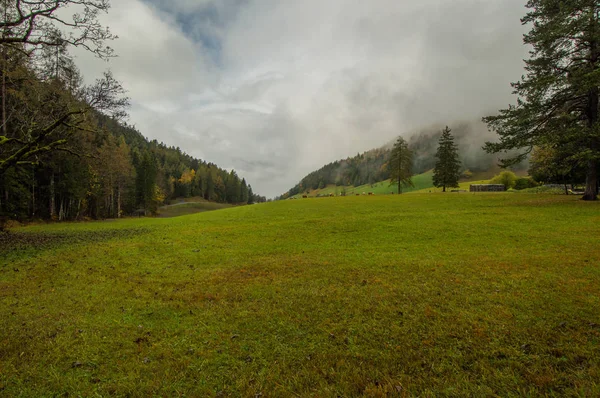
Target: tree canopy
{"x": 558, "y": 98}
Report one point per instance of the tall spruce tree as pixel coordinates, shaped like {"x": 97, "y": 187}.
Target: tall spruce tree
{"x": 145, "y": 182}
{"x": 558, "y": 98}
{"x": 447, "y": 167}
{"x": 400, "y": 165}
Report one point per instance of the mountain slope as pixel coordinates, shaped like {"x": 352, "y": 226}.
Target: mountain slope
{"x": 368, "y": 171}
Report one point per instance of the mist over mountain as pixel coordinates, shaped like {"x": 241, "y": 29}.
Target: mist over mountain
{"x": 371, "y": 166}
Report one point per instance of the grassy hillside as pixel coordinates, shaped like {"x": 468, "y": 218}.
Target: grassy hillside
{"x": 423, "y": 184}
{"x": 414, "y": 295}
{"x": 189, "y": 206}
{"x": 420, "y": 181}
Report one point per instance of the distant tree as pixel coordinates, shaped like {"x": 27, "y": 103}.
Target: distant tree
{"x": 220, "y": 190}
{"x": 400, "y": 165}
{"x": 467, "y": 174}
{"x": 447, "y": 167}
{"x": 525, "y": 183}
{"x": 145, "y": 183}
{"x": 209, "y": 193}
{"x": 233, "y": 187}
{"x": 243, "y": 191}
{"x": 250, "y": 195}
{"x": 553, "y": 165}
{"x": 558, "y": 98}
{"x": 115, "y": 171}
{"x": 506, "y": 178}
{"x": 185, "y": 183}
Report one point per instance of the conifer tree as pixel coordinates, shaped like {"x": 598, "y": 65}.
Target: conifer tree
{"x": 146, "y": 182}
{"x": 250, "y": 195}
{"x": 400, "y": 165}
{"x": 244, "y": 191}
{"x": 558, "y": 98}
{"x": 447, "y": 167}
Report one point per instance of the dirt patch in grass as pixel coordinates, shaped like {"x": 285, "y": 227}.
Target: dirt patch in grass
{"x": 19, "y": 243}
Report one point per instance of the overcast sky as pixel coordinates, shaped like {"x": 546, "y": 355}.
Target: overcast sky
{"x": 277, "y": 88}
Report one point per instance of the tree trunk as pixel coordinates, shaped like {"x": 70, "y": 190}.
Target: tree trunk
{"x": 591, "y": 181}
{"x": 399, "y": 171}
{"x": 52, "y": 204}
{"x": 591, "y": 178}
{"x": 444, "y": 189}
{"x": 61, "y": 210}
{"x": 4, "y": 94}
{"x": 33, "y": 196}
{"x": 4, "y": 69}
{"x": 118, "y": 202}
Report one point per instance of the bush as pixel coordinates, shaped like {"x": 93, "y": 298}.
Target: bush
{"x": 467, "y": 174}
{"x": 507, "y": 178}
{"x": 544, "y": 189}
{"x": 525, "y": 183}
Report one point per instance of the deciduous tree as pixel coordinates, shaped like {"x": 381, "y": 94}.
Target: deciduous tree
{"x": 29, "y": 25}
{"x": 47, "y": 28}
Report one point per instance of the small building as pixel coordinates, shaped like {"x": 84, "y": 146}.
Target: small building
{"x": 487, "y": 188}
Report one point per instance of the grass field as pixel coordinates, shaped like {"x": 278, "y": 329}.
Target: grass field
{"x": 462, "y": 185}
{"x": 403, "y": 295}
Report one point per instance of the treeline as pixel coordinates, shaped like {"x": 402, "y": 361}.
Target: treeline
{"x": 65, "y": 153}
{"x": 366, "y": 168}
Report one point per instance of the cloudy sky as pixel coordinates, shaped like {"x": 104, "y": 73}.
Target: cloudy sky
{"x": 278, "y": 88}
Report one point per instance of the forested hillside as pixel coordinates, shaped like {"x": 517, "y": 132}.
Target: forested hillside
{"x": 371, "y": 166}
{"x": 66, "y": 154}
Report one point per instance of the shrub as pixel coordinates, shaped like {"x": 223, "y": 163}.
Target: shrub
{"x": 525, "y": 183}
{"x": 507, "y": 178}
{"x": 467, "y": 174}
{"x": 544, "y": 189}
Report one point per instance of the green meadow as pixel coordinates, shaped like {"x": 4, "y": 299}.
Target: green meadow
{"x": 423, "y": 183}
{"x": 420, "y": 181}
{"x": 396, "y": 295}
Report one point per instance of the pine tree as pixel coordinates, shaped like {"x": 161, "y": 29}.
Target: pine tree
{"x": 244, "y": 191}
{"x": 209, "y": 194}
{"x": 400, "y": 165}
{"x": 558, "y": 98}
{"x": 250, "y": 195}
{"x": 447, "y": 167}
{"x": 146, "y": 182}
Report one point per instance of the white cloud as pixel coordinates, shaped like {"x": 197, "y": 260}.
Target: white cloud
{"x": 276, "y": 89}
